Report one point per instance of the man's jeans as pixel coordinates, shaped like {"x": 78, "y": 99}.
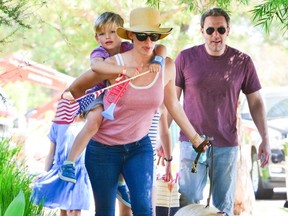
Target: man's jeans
{"x": 191, "y": 185}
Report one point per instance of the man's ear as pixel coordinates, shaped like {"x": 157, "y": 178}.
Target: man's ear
{"x": 228, "y": 30}
{"x": 202, "y": 30}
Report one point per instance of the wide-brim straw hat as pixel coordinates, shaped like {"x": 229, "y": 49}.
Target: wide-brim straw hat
{"x": 144, "y": 20}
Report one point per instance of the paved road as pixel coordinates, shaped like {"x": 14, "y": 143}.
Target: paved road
{"x": 273, "y": 207}
{"x": 262, "y": 207}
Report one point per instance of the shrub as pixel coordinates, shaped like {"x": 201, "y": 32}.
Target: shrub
{"x": 14, "y": 177}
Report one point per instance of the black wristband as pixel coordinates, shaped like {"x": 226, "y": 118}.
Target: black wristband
{"x": 168, "y": 160}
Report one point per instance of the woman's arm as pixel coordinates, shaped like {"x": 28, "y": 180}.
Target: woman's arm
{"x": 100, "y": 70}
{"x": 165, "y": 140}
{"x": 85, "y": 81}
{"x": 175, "y": 108}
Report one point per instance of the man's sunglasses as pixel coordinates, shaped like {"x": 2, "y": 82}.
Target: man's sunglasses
{"x": 210, "y": 30}
{"x": 144, "y": 36}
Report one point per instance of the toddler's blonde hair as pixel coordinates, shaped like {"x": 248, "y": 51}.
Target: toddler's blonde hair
{"x": 107, "y": 18}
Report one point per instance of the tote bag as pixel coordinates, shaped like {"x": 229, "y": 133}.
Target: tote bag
{"x": 167, "y": 198}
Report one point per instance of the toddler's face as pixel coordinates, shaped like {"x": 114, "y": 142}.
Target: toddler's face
{"x": 107, "y": 37}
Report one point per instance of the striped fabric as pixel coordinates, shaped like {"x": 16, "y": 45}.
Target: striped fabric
{"x": 153, "y": 132}
{"x": 65, "y": 111}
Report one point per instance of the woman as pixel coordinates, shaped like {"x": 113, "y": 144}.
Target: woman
{"x": 122, "y": 146}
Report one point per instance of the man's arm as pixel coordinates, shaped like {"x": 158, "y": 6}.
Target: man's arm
{"x": 257, "y": 110}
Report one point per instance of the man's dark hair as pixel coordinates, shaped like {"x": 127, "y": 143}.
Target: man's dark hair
{"x": 214, "y": 12}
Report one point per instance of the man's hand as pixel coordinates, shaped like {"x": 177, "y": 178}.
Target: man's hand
{"x": 264, "y": 153}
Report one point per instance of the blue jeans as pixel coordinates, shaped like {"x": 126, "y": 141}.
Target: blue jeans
{"x": 134, "y": 161}
{"x": 191, "y": 185}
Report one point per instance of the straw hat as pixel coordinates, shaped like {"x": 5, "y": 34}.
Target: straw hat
{"x": 144, "y": 20}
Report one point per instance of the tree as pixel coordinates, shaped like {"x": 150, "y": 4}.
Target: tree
{"x": 264, "y": 14}
{"x": 272, "y": 11}
{"x": 61, "y": 33}
{"x": 16, "y": 14}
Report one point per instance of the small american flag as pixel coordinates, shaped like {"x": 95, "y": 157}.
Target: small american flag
{"x": 87, "y": 99}
{"x": 65, "y": 111}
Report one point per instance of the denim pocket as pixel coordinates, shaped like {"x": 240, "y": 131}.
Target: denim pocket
{"x": 186, "y": 151}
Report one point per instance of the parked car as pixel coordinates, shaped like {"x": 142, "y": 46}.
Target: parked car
{"x": 271, "y": 177}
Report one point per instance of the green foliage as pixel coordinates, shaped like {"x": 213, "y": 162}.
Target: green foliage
{"x": 198, "y": 6}
{"x": 271, "y": 11}
{"x": 14, "y": 178}
{"x": 15, "y": 14}
{"x": 154, "y": 3}
{"x": 17, "y": 206}
{"x": 62, "y": 37}
{"x": 27, "y": 91}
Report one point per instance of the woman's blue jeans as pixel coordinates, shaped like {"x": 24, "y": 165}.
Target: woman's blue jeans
{"x": 134, "y": 161}
{"x": 191, "y": 185}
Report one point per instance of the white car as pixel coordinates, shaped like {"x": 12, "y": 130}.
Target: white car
{"x": 266, "y": 180}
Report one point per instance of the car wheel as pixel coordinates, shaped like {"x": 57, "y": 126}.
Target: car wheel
{"x": 257, "y": 181}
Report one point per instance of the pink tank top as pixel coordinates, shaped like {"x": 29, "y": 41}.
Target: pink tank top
{"x": 133, "y": 113}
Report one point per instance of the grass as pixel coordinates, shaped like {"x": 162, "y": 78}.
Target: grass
{"x": 14, "y": 178}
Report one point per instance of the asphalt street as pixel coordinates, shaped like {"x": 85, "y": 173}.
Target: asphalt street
{"x": 274, "y": 207}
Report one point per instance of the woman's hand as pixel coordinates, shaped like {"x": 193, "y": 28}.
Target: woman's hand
{"x": 131, "y": 72}
{"x": 168, "y": 173}
{"x": 201, "y": 144}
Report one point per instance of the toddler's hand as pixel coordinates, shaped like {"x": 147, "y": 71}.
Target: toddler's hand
{"x": 40, "y": 176}
{"x": 155, "y": 68}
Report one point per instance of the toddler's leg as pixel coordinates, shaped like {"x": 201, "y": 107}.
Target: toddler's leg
{"x": 94, "y": 119}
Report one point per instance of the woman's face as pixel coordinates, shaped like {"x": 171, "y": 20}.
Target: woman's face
{"x": 144, "y": 42}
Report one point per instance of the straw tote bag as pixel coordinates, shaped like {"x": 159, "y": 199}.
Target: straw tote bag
{"x": 167, "y": 197}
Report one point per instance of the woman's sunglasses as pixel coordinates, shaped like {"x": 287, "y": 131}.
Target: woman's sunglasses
{"x": 144, "y": 36}
{"x": 210, "y": 30}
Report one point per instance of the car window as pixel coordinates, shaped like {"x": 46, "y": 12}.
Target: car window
{"x": 276, "y": 105}
{"x": 278, "y": 109}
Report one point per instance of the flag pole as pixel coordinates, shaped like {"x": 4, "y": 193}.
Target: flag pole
{"x": 113, "y": 85}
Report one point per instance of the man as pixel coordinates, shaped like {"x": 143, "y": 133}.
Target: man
{"x": 211, "y": 76}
